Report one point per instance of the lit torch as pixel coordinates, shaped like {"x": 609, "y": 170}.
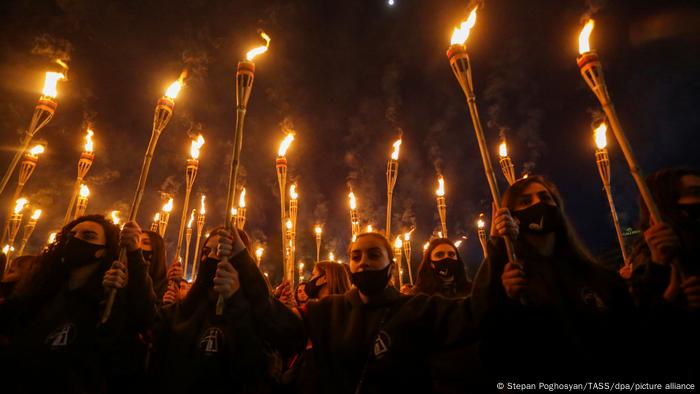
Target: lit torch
{"x": 603, "y": 162}
{"x": 28, "y": 230}
{"x": 188, "y": 239}
{"x": 165, "y": 215}
{"x": 318, "y": 230}
{"x": 81, "y": 204}
{"x": 441, "y": 206}
{"x": 288, "y": 253}
{"x": 506, "y": 163}
{"x": 156, "y": 222}
{"x": 354, "y": 217}
{"x": 407, "y": 253}
{"x": 200, "y": 227}
{"x": 258, "y": 255}
{"x": 592, "y": 73}
{"x": 240, "y": 218}
{"x": 481, "y": 232}
{"x": 392, "y": 173}
{"x": 84, "y": 164}
{"x": 281, "y": 166}
{"x": 15, "y": 221}
{"x": 43, "y": 112}
{"x": 115, "y": 217}
{"x": 461, "y": 67}
{"x": 26, "y": 168}
{"x": 190, "y": 176}
{"x": 398, "y": 252}
{"x": 293, "y": 209}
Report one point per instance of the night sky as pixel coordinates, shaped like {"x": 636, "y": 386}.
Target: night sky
{"x": 347, "y": 76}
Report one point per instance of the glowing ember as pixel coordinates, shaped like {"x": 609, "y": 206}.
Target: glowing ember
{"x": 441, "y": 187}
{"x": 88, "y": 140}
{"x": 241, "y": 199}
{"x": 36, "y": 215}
{"x": 84, "y": 190}
{"x": 285, "y": 145}
{"x": 202, "y": 210}
{"x": 19, "y": 204}
{"x": 600, "y": 138}
{"x": 168, "y": 207}
{"x": 50, "y": 82}
{"x": 502, "y": 149}
{"x": 196, "y": 145}
{"x": 398, "y": 243}
{"x": 173, "y": 89}
{"x": 318, "y": 230}
{"x": 583, "y": 44}
{"x": 259, "y": 50}
{"x": 460, "y": 34}
{"x": 395, "y": 153}
{"x": 115, "y": 217}
{"x": 37, "y": 150}
{"x": 353, "y": 201}
{"x": 189, "y": 222}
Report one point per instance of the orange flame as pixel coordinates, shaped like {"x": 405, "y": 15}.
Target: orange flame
{"x": 259, "y": 50}
{"x": 89, "y": 145}
{"x": 36, "y": 215}
{"x": 441, "y": 187}
{"x": 285, "y": 145}
{"x": 600, "y": 139}
{"x": 156, "y": 218}
{"x": 461, "y": 33}
{"x": 293, "y": 192}
{"x": 353, "y": 201}
{"x": 174, "y": 89}
{"x": 398, "y": 243}
{"x": 241, "y": 199}
{"x": 318, "y": 230}
{"x": 50, "y": 82}
{"x": 52, "y": 237}
{"x": 84, "y": 191}
{"x": 370, "y": 228}
{"x": 259, "y": 252}
{"x": 202, "y": 210}
{"x": 331, "y": 256}
{"x": 115, "y": 217}
{"x": 168, "y": 207}
{"x": 189, "y": 222}
{"x": 395, "y": 153}
{"x": 481, "y": 223}
{"x": 196, "y": 146}
{"x": 19, "y": 204}
{"x": 37, "y": 150}
{"x": 503, "y": 149}
{"x": 583, "y": 44}
{"x": 288, "y": 224}
{"x": 458, "y": 243}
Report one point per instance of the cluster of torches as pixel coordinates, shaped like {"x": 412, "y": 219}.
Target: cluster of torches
{"x": 591, "y": 71}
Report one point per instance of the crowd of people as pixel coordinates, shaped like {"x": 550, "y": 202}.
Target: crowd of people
{"x": 554, "y": 314}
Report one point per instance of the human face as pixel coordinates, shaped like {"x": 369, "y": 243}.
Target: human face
{"x": 690, "y": 190}
{"x": 301, "y": 293}
{"x": 320, "y": 274}
{"x": 533, "y": 193}
{"x": 91, "y": 232}
{"x": 146, "y": 243}
{"x": 368, "y": 253}
{"x": 210, "y": 246}
{"x": 443, "y": 251}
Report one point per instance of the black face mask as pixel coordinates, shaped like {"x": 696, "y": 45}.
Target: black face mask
{"x": 445, "y": 268}
{"x": 691, "y": 211}
{"x": 312, "y": 289}
{"x": 147, "y": 255}
{"x": 78, "y": 253}
{"x": 540, "y": 218}
{"x": 371, "y": 283}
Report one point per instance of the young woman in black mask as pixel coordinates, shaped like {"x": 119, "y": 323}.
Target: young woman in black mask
{"x": 549, "y": 315}
{"x": 56, "y": 341}
{"x": 669, "y": 301}
{"x": 153, "y": 249}
{"x": 371, "y": 338}
{"x": 442, "y": 271}
{"x": 198, "y": 351}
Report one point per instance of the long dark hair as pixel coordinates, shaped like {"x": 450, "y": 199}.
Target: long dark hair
{"x": 48, "y": 274}
{"x": 337, "y": 277}
{"x": 156, "y": 268}
{"x": 428, "y": 282}
{"x": 665, "y": 187}
{"x": 569, "y": 246}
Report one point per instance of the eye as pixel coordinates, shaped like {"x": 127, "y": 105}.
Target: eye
{"x": 374, "y": 255}
{"x": 356, "y": 256}
{"x": 451, "y": 254}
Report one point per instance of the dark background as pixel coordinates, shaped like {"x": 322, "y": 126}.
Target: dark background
{"x": 347, "y": 76}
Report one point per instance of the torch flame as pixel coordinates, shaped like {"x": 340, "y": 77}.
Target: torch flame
{"x": 503, "y": 149}
{"x": 318, "y": 229}
{"x": 36, "y": 215}
{"x": 293, "y": 192}
{"x": 395, "y": 153}
{"x": 174, "y": 89}
{"x": 84, "y": 190}
{"x": 600, "y": 139}
{"x": 481, "y": 223}
{"x": 37, "y": 150}
{"x": 156, "y": 218}
{"x": 398, "y": 243}
{"x": 458, "y": 243}
{"x": 331, "y": 256}
{"x": 425, "y": 245}
{"x": 50, "y": 82}
{"x": 202, "y": 210}
{"x": 259, "y": 252}
{"x": 52, "y": 238}
{"x": 407, "y": 236}
{"x": 115, "y": 217}
{"x": 19, "y": 204}
{"x": 583, "y": 44}
{"x": 289, "y": 224}
{"x": 241, "y": 199}
{"x": 441, "y": 187}
{"x": 285, "y": 145}
{"x": 88, "y": 140}
{"x": 259, "y": 50}
{"x": 460, "y": 34}
{"x": 196, "y": 145}
{"x": 6, "y": 249}
{"x": 369, "y": 228}
{"x": 189, "y": 223}
{"x": 234, "y": 211}
{"x": 168, "y": 207}
{"x": 353, "y": 201}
